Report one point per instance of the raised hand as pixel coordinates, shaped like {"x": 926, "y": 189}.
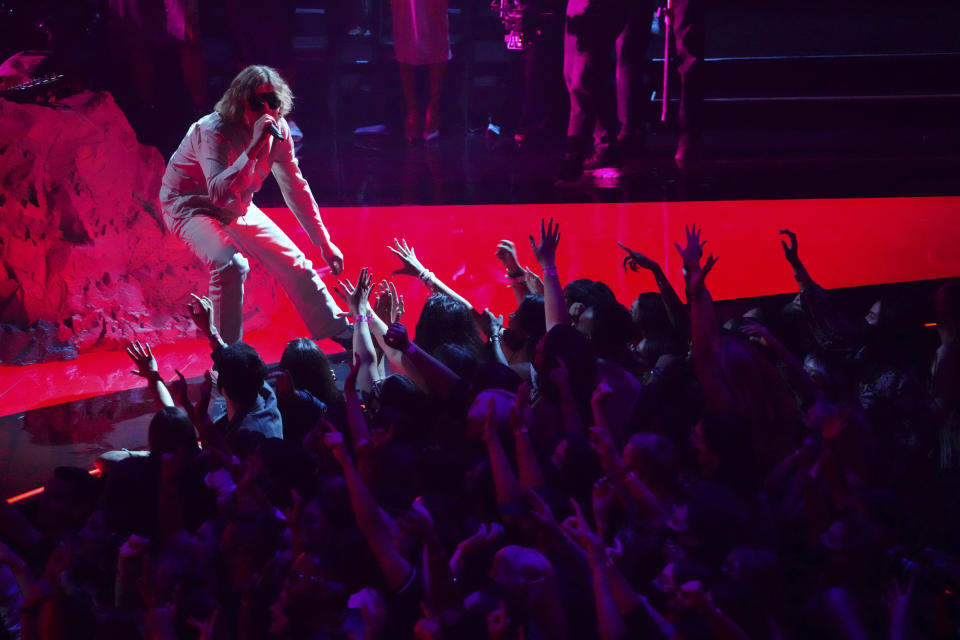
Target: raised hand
{"x": 693, "y": 250}
{"x": 533, "y": 281}
{"x": 396, "y": 305}
{"x": 143, "y": 358}
{"x": 546, "y": 251}
{"x": 790, "y": 250}
{"x": 602, "y": 443}
{"x": 387, "y": 303}
{"x": 578, "y": 528}
{"x": 540, "y": 510}
{"x": 507, "y": 254}
{"x": 408, "y": 258}
{"x": 207, "y": 627}
{"x": 636, "y": 261}
{"x": 333, "y": 440}
{"x": 485, "y": 536}
{"x": 356, "y": 298}
{"x": 201, "y": 310}
{"x": 492, "y": 325}
{"x": 897, "y": 597}
{"x": 691, "y": 254}
{"x": 698, "y": 277}
{"x": 396, "y": 337}
{"x": 419, "y": 523}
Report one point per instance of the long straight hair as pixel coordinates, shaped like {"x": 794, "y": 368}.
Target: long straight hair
{"x": 231, "y": 105}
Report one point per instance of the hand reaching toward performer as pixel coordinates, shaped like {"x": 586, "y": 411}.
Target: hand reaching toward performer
{"x": 635, "y": 261}
{"x": 357, "y": 297}
{"x": 507, "y": 254}
{"x": 546, "y": 251}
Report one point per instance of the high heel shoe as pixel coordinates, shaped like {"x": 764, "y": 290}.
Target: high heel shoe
{"x": 431, "y": 126}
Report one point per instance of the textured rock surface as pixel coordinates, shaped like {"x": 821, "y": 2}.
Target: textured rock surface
{"x": 86, "y": 262}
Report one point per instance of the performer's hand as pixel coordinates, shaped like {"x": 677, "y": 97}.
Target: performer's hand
{"x": 333, "y": 257}
{"x": 260, "y": 128}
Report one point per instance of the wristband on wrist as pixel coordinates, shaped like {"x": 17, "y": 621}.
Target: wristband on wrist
{"x": 361, "y": 318}
{"x": 550, "y": 271}
{"x": 411, "y": 349}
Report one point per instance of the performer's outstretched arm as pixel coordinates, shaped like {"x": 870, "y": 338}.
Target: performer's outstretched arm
{"x": 296, "y": 193}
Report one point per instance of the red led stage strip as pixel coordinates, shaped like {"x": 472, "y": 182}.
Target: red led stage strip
{"x": 35, "y": 492}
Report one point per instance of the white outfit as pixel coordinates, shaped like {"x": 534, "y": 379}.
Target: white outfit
{"x": 207, "y": 200}
{"x": 421, "y": 31}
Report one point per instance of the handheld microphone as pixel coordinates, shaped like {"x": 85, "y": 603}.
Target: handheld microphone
{"x": 275, "y": 131}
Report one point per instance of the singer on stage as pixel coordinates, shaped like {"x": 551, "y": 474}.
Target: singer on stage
{"x": 207, "y": 200}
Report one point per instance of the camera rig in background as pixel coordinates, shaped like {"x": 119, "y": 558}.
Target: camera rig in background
{"x": 511, "y": 14}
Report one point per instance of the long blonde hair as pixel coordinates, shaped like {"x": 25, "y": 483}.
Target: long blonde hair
{"x": 234, "y": 100}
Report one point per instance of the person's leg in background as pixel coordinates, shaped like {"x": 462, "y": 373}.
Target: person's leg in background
{"x": 411, "y": 124}
{"x": 576, "y": 72}
{"x": 431, "y": 123}
{"x": 591, "y": 28}
{"x": 689, "y": 36}
{"x": 542, "y": 78}
{"x": 632, "y": 102}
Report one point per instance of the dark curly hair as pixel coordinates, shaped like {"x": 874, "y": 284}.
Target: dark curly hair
{"x": 242, "y": 373}
{"x": 310, "y": 370}
{"x": 445, "y": 320}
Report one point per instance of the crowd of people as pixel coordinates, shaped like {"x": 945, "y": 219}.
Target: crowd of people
{"x": 580, "y": 470}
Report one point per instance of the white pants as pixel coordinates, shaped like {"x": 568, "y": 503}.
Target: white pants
{"x": 219, "y": 246}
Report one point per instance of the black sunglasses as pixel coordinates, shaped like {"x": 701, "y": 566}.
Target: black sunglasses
{"x": 259, "y": 101}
